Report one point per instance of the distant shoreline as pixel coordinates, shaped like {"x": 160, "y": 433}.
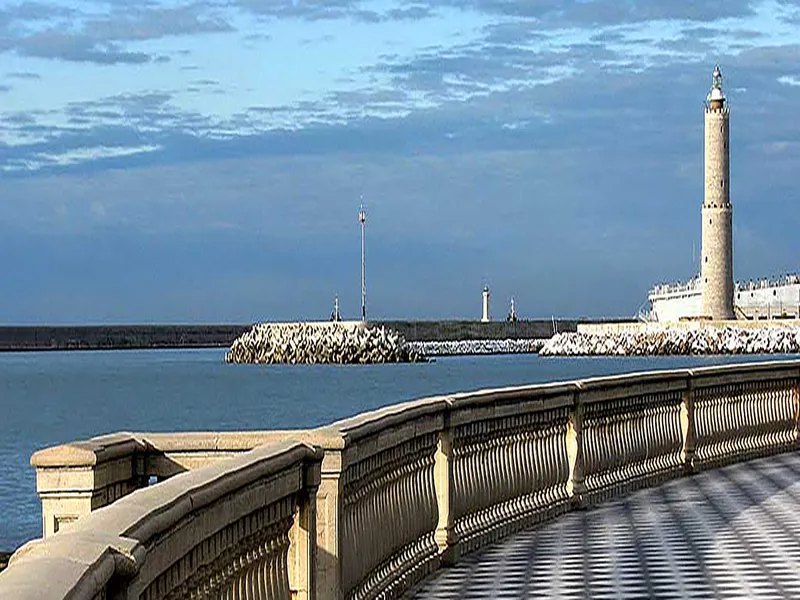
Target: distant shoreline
{"x": 40, "y": 338}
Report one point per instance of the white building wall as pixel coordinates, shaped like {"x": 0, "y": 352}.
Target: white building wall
{"x": 758, "y": 300}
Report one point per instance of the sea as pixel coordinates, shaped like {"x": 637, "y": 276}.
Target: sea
{"x": 49, "y": 398}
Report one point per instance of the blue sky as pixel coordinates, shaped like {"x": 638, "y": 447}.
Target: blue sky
{"x": 203, "y": 161}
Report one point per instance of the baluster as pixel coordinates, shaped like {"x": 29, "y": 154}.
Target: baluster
{"x": 263, "y": 572}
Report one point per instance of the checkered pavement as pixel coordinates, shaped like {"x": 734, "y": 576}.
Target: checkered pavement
{"x": 728, "y": 533}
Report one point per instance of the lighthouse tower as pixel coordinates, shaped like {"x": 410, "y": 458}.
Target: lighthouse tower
{"x": 716, "y": 270}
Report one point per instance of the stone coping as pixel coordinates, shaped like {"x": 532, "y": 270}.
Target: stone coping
{"x": 88, "y": 453}
{"x": 147, "y": 512}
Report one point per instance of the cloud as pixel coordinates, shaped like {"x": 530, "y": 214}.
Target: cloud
{"x": 321, "y": 10}
{"x": 518, "y": 81}
{"x": 130, "y": 23}
{"x": 25, "y": 75}
{"x": 77, "y": 48}
{"x": 586, "y": 13}
{"x": 415, "y": 12}
{"x": 33, "y": 11}
{"x": 75, "y": 36}
{"x": 311, "y": 10}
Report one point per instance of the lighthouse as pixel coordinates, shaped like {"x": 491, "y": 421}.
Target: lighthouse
{"x": 485, "y": 318}
{"x": 716, "y": 269}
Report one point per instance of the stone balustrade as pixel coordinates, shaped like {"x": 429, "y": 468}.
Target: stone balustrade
{"x": 368, "y": 506}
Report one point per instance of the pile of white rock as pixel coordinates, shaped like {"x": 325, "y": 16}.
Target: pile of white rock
{"x": 466, "y": 347}
{"x": 320, "y": 343}
{"x": 706, "y": 340}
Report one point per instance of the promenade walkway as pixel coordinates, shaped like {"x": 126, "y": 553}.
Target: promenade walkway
{"x": 727, "y": 533}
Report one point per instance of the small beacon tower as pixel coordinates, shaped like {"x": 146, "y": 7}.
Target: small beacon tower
{"x": 485, "y": 318}
{"x": 716, "y": 268}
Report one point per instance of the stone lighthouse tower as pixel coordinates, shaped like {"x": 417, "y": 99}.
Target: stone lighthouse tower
{"x": 716, "y": 269}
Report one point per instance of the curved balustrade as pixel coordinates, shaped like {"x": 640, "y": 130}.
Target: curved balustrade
{"x": 368, "y": 506}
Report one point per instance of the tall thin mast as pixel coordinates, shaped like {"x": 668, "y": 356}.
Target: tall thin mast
{"x": 362, "y": 218}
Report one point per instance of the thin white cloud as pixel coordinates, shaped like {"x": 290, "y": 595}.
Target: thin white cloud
{"x": 791, "y": 80}
{"x": 76, "y": 156}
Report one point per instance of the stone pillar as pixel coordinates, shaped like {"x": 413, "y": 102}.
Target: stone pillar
{"x": 576, "y": 486}
{"x": 688, "y": 432}
{"x": 303, "y": 538}
{"x": 445, "y": 535}
{"x": 328, "y": 512}
{"x": 75, "y": 479}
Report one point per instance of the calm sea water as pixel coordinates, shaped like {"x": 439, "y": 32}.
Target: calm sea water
{"x": 51, "y": 398}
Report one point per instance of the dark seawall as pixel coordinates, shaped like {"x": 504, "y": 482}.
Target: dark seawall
{"x": 450, "y": 331}
{"x": 114, "y": 337}
{"x": 118, "y": 337}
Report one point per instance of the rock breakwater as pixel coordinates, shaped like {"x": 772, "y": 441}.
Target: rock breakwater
{"x": 320, "y": 343}
{"x": 467, "y": 347}
{"x": 706, "y": 340}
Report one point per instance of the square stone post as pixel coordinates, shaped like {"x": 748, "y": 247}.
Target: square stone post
{"x": 688, "y": 431}
{"x": 576, "y": 485}
{"x": 303, "y": 538}
{"x": 328, "y": 578}
{"x": 74, "y": 479}
{"x": 445, "y": 535}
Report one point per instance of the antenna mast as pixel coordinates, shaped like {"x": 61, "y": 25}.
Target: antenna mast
{"x": 362, "y": 219}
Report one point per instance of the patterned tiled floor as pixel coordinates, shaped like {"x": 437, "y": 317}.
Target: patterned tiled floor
{"x": 729, "y": 533}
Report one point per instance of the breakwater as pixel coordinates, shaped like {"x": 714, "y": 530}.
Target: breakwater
{"x": 121, "y": 337}
{"x": 117, "y": 337}
{"x": 659, "y": 342}
{"x": 467, "y": 347}
{"x": 320, "y": 343}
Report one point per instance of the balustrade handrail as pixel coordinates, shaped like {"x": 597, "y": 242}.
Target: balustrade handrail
{"x": 404, "y": 488}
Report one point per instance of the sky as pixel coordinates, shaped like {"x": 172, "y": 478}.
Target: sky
{"x": 189, "y": 162}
